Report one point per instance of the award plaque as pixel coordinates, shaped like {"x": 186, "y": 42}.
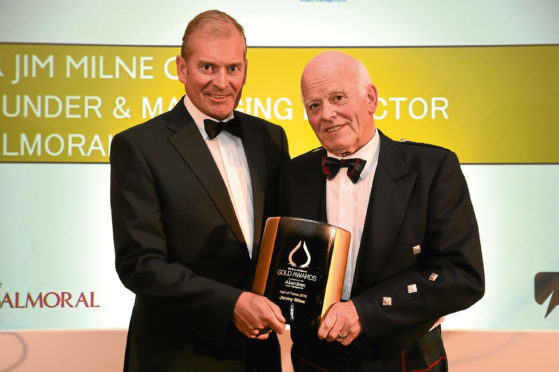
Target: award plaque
{"x": 301, "y": 267}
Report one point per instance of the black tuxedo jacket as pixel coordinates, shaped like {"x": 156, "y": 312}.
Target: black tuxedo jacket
{"x": 419, "y": 197}
{"x": 178, "y": 244}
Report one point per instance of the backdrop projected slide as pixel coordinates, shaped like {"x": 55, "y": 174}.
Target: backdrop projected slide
{"x": 480, "y": 79}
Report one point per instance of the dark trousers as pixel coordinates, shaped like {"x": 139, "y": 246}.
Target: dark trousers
{"x": 426, "y": 354}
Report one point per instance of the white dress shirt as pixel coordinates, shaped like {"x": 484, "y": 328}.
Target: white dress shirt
{"x": 347, "y": 203}
{"x": 229, "y": 155}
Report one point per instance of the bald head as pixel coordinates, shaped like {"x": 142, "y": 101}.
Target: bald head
{"x": 340, "y": 100}
{"x": 331, "y": 63}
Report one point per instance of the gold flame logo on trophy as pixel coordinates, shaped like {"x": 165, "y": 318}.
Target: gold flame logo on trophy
{"x": 301, "y": 267}
{"x": 297, "y": 247}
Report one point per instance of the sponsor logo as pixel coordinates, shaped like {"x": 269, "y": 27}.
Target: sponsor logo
{"x": 48, "y": 300}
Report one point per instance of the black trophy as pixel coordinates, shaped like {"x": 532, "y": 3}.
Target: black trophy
{"x": 301, "y": 267}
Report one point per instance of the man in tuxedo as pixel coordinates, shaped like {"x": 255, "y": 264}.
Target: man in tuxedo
{"x": 415, "y": 252}
{"x": 190, "y": 191}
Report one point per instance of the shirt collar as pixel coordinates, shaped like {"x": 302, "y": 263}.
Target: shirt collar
{"x": 199, "y": 117}
{"x": 369, "y": 153}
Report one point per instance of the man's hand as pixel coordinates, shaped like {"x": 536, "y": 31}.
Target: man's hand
{"x": 255, "y": 316}
{"x": 340, "y": 323}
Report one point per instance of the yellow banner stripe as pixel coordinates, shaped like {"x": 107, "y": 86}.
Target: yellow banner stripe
{"x": 63, "y": 103}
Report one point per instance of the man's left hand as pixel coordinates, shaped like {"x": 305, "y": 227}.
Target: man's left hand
{"x": 340, "y": 323}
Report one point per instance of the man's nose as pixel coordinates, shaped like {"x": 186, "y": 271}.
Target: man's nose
{"x": 220, "y": 79}
{"x": 328, "y": 111}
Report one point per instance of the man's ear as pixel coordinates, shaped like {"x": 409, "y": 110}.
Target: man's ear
{"x": 372, "y": 98}
{"x": 181, "y": 69}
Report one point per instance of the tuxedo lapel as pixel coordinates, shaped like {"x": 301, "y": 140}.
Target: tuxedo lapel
{"x": 390, "y": 193}
{"x": 254, "y": 151}
{"x": 191, "y": 146}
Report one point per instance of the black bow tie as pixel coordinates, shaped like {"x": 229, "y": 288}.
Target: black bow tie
{"x": 213, "y": 127}
{"x": 331, "y": 167}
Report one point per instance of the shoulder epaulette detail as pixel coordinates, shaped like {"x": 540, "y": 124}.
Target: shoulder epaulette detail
{"x": 320, "y": 148}
{"x": 406, "y": 142}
